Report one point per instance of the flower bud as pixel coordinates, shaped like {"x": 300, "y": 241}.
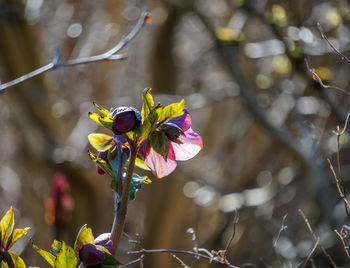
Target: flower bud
{"x": 125, "y": 120}
{"x": 90, "y": 255}
{"x": 105, "y": 241}
{"x": 172, "y": 131}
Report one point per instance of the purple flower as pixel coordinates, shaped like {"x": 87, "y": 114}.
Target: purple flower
{"x": 125, "y": 119}
{"x": 105, "y": 241}
{"x": 183, "y": 143}
{"x": 91, "y": 255}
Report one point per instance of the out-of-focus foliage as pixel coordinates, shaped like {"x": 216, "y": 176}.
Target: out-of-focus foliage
{"x": 266, "y": 123}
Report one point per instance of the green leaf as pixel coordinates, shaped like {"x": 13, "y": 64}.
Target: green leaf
{"x": 150, "y": 123}
{"x": 171, "y": 111}
{"x": 136, "y": 185}
{"x": 16, "y": 235}
{"x": 66, "y": 257}
{"x": 160, "y": 143}
{"x": 46, "y": 255}
{"x": 6, "y": 226}
{"x": 55, "y": 247}
{"x": 141, "y": 164}
{"x": 102, "y": 110}
{"x": 148, "y": 103}
{"x": 105, "y": 121}
{"x": 17, "y": 260}
{"x": 84, "y": 237}
{"x": 101, "y": 142}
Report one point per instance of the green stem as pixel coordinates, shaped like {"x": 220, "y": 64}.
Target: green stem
{"x": 119, "y": 218}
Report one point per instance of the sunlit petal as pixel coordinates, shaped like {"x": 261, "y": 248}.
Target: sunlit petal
{"x": 191, "y": 145}
{"x": 160, "y": 168}
{"x": 184, "y": 121}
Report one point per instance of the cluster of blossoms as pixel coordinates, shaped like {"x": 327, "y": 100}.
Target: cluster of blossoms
{"x": 162, "y": 136}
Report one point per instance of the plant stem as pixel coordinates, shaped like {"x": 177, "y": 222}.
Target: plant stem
{"x": 119, "y": 218}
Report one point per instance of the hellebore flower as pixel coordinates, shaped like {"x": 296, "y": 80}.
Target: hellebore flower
{"x": 125, "y": 119}
{"x": 93, "y": 251}
{"x": 105, "y": 241}
{"x": 90, "y": 255}
{"x": 8, "y": 237}
{"x": 173, "y": 141}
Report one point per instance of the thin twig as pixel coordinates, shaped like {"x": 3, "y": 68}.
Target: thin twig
{"x": 194, "y": 238}
{"x": 338, "y": 133}
{"x": 317, "y": 238}
{"x": 338, "y": 184}
{"x": 173, "y": 251}
{"x": 234, "y": 223}
{"x": 311, "y": 253}
{"x": 108, "y": 55}
{"x": 180, "y": 261}
{"x": 343, "y": 242}
{"x": 140, "y": 259}
{"x": 319, "y": 80}
{"x": 283, "y": 227}
{"x": 343, "y": 57}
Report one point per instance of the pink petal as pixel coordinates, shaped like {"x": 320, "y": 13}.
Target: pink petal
{"x": 191, "y": 145}
{"x": 160, "y": 168}
{"x": 184, "y": 121}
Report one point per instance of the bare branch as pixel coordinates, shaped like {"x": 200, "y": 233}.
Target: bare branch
{"x": 338, "y": 184}
{"x": 319, "y": 80}
{"x": 283, "y": 227}
{"x": 180, "y": 261}
{"x": 343, "y": 57}
{"x": 106, "y": 56}
{"x": 317, "y": 238}
{"x": 338, "y": 132}
{"x": 234, "y": 223}
{"x": 186, "y": 252}
{"x": 311, "y": 253}
{"x": 140, "y": 259}
{"x": 343, "y": 242}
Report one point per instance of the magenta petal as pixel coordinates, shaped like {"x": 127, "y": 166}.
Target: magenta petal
{"x": 184, "y": 121}
{"x": 161, "y": 168}
{"x": 191, "y": 145}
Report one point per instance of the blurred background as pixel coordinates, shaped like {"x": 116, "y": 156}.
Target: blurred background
{"x": 266, "y": 124}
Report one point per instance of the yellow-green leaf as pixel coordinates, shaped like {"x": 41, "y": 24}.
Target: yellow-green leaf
{"x": 148, "y": 103}
{"x": 6, "y": 226}
{"x": 102, "y": 163}
{"x": 17, "y": 260}
{"x": 66, "y": 258}
{"x": 101, "y": 120}
{"x": 45, "y": 254}
{"x": 84, "y": 237}
{"x": 101, "y": 109}
{"x": 17, "y": 234}
{"x": 149, "y": 124}
{"x": 171, "y": 111}
{"x": 141, "y": 164}
{"x": 101, "y": 142}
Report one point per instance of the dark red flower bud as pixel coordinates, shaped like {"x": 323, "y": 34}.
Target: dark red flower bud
{"x": 90, "y": 255}
{"x": 105, "y": 241}
{"x": 125, "y": 120}
{"x": 172, "y": 131}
